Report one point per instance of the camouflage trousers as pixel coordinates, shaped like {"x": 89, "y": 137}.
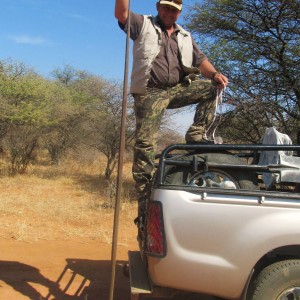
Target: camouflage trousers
{"x": 149, "y": 110}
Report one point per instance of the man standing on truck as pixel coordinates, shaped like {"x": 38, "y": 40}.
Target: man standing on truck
{"x": 166, "y": 65}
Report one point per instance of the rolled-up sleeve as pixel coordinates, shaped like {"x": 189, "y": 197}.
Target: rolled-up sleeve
{"x": 136, "y": 25}
{"x": 198, "y": 55}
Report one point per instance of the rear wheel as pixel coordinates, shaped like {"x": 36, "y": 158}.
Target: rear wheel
{"x": 228, "y": 178}
{"x": 279, "y": 281}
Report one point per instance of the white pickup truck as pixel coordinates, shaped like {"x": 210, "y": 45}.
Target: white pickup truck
{"x": 214, "y": 227}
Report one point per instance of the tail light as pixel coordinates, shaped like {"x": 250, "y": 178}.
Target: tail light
{"x": 155, "y": 236}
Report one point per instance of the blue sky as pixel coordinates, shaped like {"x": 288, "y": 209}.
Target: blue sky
{"x": 48, "y": 34}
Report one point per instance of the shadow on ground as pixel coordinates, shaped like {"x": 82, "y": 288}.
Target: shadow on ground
{"x": 81, "y": 279}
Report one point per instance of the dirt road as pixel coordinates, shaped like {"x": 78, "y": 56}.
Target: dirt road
{"x": 63, "y": 270}
{"x": 59, "y": 270}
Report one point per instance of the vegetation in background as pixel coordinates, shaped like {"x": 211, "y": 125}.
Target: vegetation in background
{"x": 75, "y": 110}
{"x": 254, "y": 42}
{"x": 257, "y": 44}
{"x": 67, "y": 201}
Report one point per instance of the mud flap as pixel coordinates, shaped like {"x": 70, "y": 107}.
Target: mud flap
{"x": 139, "y": 280}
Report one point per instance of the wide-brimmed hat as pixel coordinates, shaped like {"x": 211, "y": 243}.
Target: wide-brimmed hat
{"x": 175, "y": 3}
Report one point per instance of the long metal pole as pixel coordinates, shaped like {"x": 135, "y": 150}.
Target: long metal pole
{"x": 120, "y": 163}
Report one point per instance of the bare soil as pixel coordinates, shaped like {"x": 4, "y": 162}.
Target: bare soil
{"x": 61, "y": 269}
{"x": 55, "y": 238}
{"x": 65, "y": 270}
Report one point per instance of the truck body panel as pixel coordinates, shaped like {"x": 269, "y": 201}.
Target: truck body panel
{"x": 210, "y": 236}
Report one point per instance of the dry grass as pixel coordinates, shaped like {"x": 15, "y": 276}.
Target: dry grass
{"x": 72, "y": 200}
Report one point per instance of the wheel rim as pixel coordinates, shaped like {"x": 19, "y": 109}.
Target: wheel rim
{"x": 290, "y": 294}
{"x": 213, "y": 178}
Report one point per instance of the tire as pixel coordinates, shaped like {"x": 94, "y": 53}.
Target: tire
{"x": 214, "y": 177}
{"x": 278, "y": 281}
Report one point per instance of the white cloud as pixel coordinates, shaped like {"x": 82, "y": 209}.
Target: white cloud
{"x": 25, "y": 39}
{"x": 78, "y": 17}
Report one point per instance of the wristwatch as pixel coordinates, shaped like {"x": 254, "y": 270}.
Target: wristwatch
{"x": 214, "y": 74}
